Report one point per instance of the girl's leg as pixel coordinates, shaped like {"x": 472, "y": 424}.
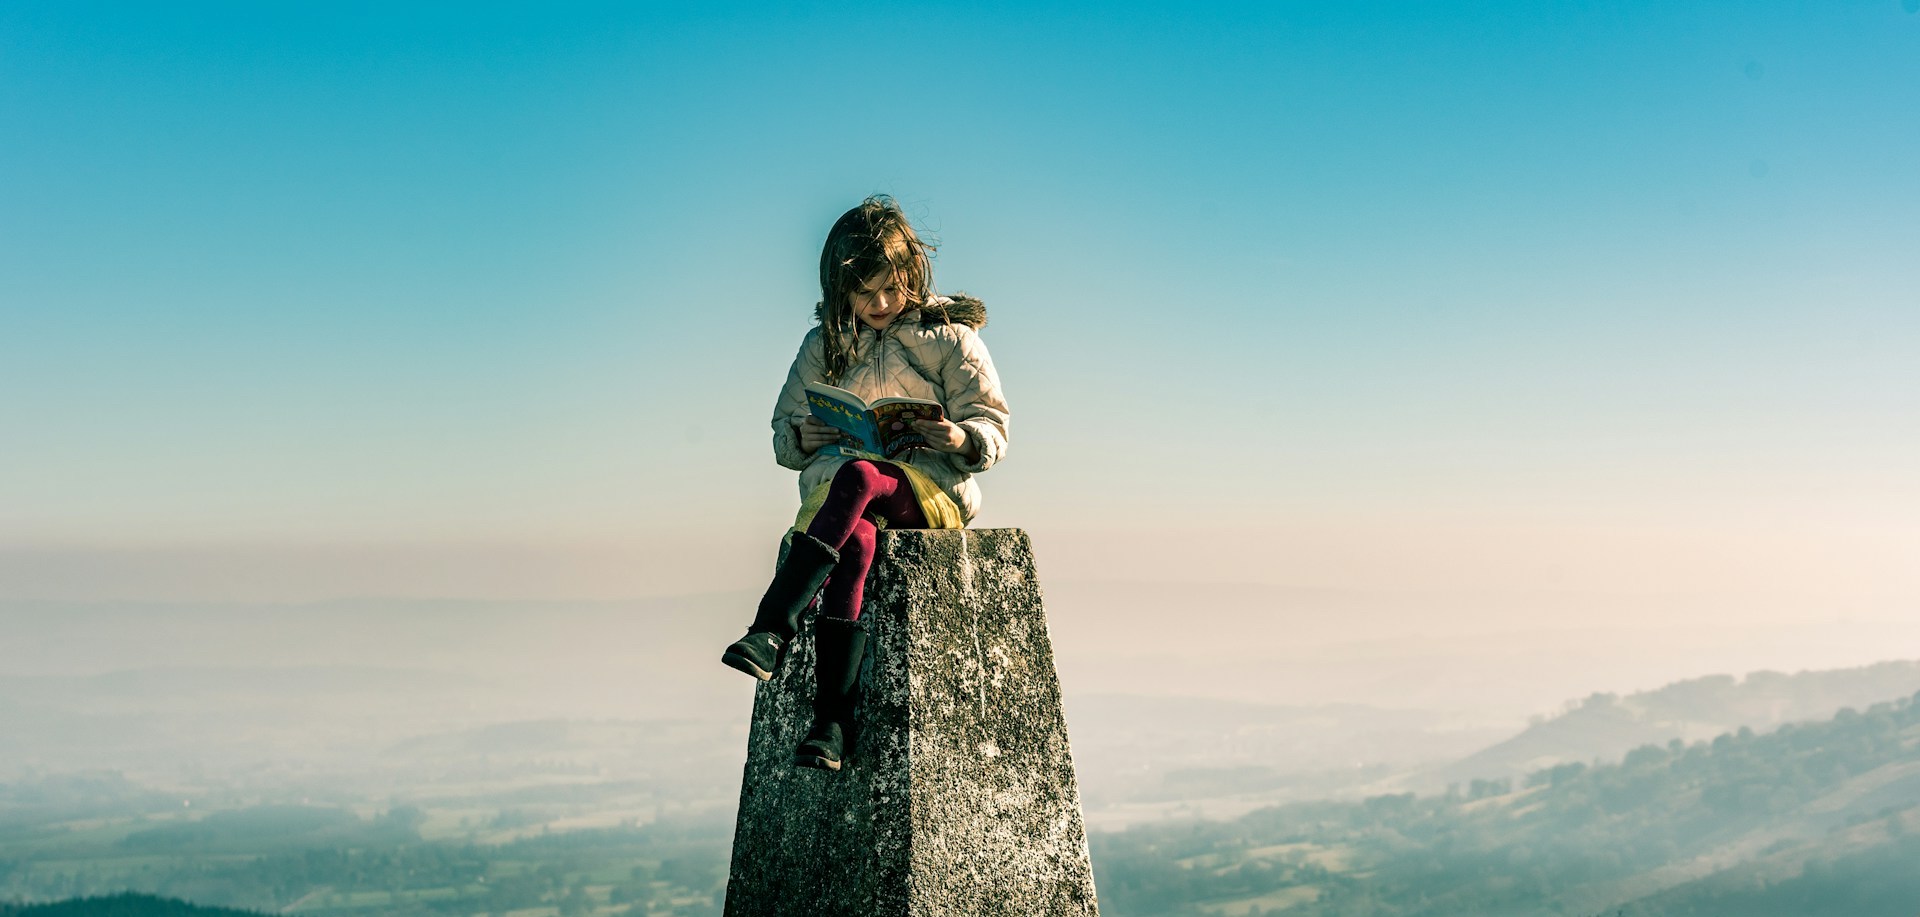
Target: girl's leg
{"x": 799, "y": 577}
{"x": 858, "y": 488}
{"x": 847, "y": 585}
{"x": 862, "y": 487}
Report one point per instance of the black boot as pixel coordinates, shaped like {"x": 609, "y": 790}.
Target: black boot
{"x": 839, "y": 647}
{"x": 799, "y": 578}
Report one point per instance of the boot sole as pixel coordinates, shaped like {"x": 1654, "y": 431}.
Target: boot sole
{"x": 746, "y": 665}
{"x": 816, "y": 761}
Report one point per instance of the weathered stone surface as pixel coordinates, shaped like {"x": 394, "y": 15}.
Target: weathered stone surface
{"x": 958, "y": 796}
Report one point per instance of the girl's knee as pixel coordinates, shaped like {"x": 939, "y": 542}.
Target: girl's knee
{"x": 858, "y": 473}
{"x": 860, "y": 542}
{"x": 856, "y": 555}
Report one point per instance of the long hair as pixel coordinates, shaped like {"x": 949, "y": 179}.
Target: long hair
{"x": 867, "y": 240}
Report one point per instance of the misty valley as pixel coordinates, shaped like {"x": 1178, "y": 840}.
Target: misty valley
{"x": 465, "y": 779}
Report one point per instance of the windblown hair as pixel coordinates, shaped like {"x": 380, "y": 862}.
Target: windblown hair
{"x": 869, "y": 239}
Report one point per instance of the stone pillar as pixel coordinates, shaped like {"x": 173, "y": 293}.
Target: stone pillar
{"x": 958, "y": 795}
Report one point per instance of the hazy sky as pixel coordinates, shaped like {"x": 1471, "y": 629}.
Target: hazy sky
{"x": 1439, "y": 299}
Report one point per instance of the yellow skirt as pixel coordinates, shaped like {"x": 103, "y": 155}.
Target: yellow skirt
{"x": 939, "y": 508}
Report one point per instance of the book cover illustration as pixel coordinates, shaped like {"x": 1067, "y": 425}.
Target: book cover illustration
{"x": 883, "y": 429}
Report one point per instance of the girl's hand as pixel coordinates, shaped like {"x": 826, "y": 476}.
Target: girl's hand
{"x": 814, "y": 435}
{"x": 944, "y": 435}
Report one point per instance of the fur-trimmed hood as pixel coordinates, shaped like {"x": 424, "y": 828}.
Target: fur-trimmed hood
{"x": 959, "y": 309}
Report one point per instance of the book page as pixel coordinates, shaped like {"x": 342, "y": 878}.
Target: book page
{"x": 893, "y": 420}
{"x": 850, "y": 418}
{"x": 836, "y": 393}
{"x": 934, "y": 411}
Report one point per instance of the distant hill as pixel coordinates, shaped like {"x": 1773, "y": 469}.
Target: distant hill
{"x": 1810, "y": 818}
{"x": 1604, "y": 727}
{"x": 127, "y": 904}
{"x": 1142, "y": 757}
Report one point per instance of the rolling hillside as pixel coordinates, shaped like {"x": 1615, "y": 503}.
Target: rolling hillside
{"x": 1605, "y": 727}
{"x": 1762, "y": 819}
{"x": 122, "y": 905}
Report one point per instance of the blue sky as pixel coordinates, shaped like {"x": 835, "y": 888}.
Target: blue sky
{"x": 1597, "y": 283}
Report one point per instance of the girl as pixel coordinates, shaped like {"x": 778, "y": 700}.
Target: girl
{"x": 883, "y": 331}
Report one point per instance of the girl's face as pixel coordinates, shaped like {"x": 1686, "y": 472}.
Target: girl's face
{"x": 879, "y": 299}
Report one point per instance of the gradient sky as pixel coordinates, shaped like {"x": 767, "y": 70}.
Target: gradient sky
{"x": 493, "y": 300}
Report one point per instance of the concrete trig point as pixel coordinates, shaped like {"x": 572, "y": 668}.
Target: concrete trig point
{"x": 958, "y": 795}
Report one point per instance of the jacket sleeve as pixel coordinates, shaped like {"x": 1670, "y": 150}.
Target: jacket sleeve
{"x": 809, "y": 365}
{"x": 974, "y": 400}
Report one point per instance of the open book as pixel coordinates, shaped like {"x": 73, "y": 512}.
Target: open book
{"x": 883, "y": 429}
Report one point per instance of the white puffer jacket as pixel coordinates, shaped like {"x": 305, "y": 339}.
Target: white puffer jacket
{"x": 940, "y": 361}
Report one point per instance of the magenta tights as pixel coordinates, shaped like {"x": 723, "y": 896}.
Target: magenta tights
{"x": 860, "y": 488}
